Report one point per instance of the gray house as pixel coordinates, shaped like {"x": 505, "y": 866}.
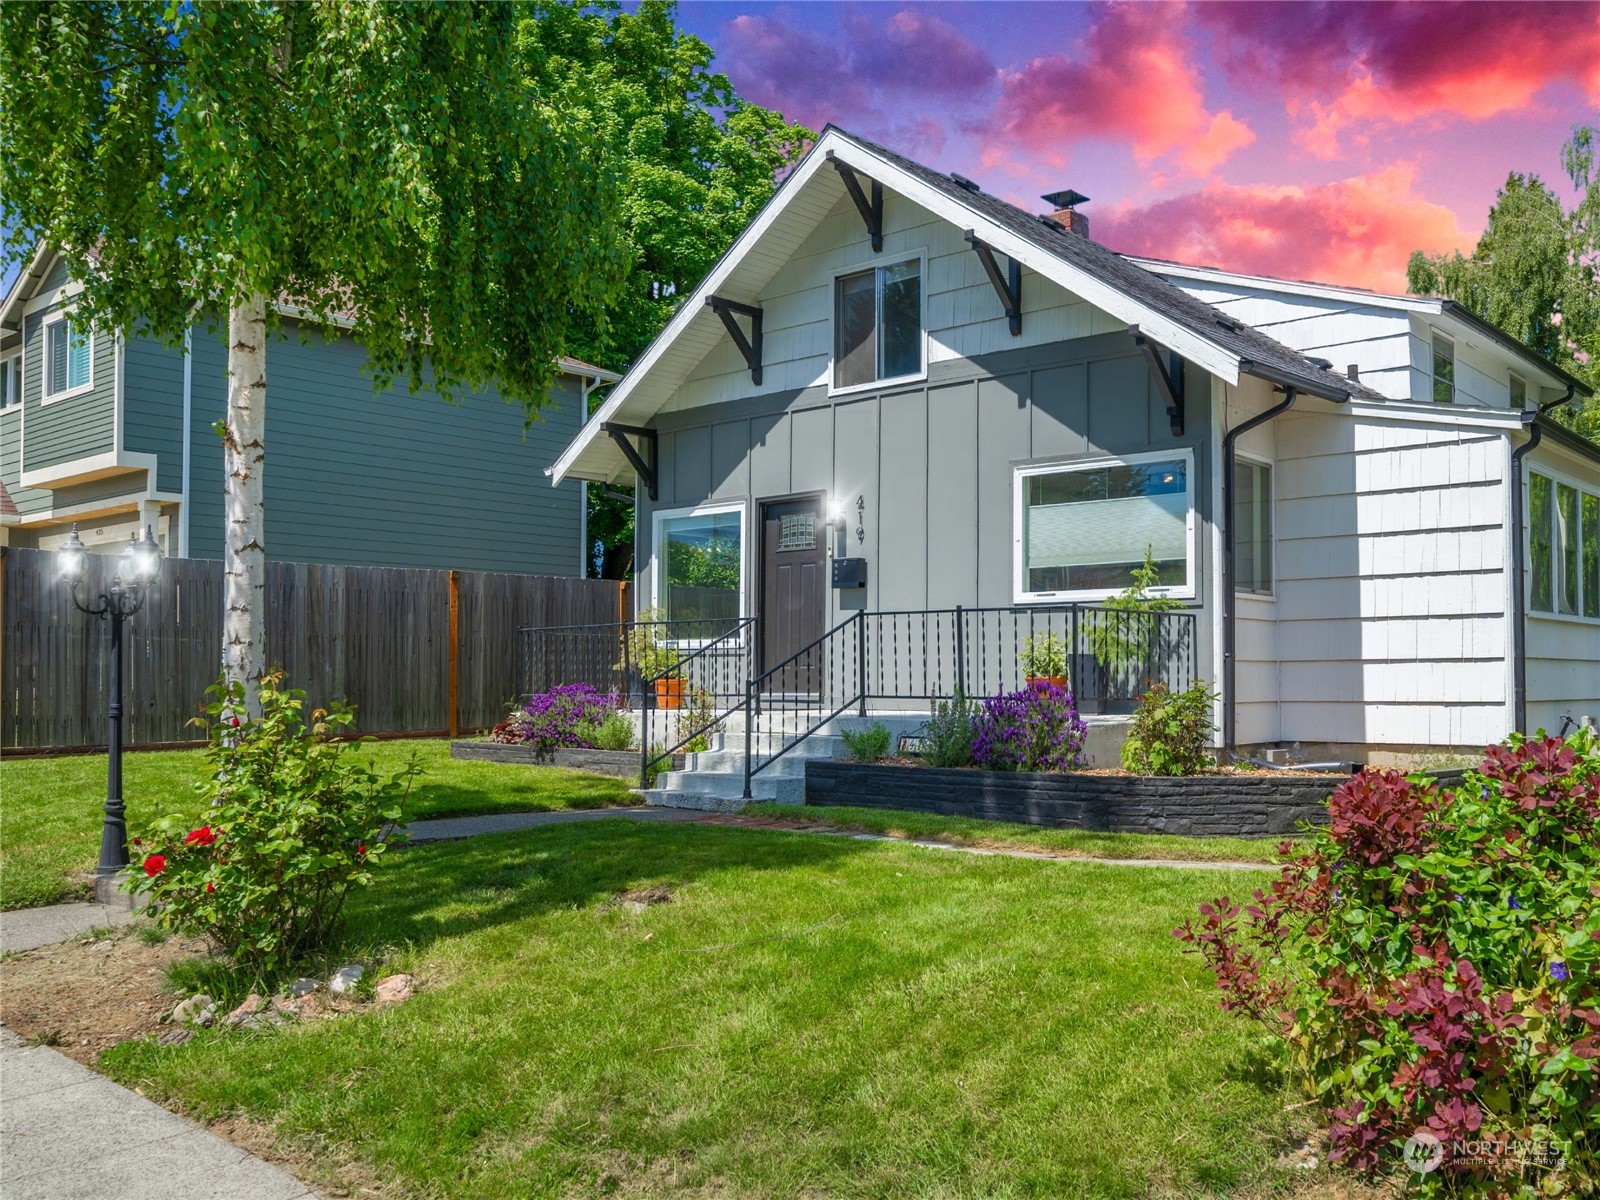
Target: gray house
{"x": 898, "y": 395}
{"x": 113, "y": 430}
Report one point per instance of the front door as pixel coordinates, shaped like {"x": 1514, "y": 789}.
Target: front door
{"x": 794, "y": 588}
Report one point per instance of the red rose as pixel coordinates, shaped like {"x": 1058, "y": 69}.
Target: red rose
{"x": 200, "y": 837}
{"x": 155, "y": 864}
{"x": 211, "y": 887}
{"x": 361, "y": 849}
{"x": 138, "y": 841}
{"x": 236, "y": 722}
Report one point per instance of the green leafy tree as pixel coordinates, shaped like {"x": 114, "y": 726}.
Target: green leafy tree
{"x": 383, "y": 161}
{"x": 1536, "y": 271}
{"x": 695, "y": 161}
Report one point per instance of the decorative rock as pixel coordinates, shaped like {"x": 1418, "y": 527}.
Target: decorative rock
{"x": 199, "y": 1009}
{"x": 175, "y": 1037}
{"x": 345, "y": 979}
{"x": 395, "y": 989}
{"x": 303, "y": 987}
{"x": 253, "y": 1004}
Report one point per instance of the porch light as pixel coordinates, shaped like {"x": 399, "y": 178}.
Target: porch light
{"x": 836, "y": 513}
{"x": 72, "y": 557}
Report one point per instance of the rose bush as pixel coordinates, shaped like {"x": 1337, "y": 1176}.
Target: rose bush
{"x": 1431, "y": 961}
{"x": 1036, "y": 729}
{"x": 293, "y": 821}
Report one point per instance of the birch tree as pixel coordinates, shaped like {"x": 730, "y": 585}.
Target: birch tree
{"x": 384, "y": 162}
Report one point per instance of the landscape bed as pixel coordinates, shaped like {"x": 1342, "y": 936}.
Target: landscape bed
{"x": 623, "y": 764}
{"x": 1211, "y": 805}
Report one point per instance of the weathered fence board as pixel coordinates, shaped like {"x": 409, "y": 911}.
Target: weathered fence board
{"x": 378, "y": 637}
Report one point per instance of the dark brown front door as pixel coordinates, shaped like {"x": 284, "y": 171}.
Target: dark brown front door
{"x": 794, "y": 590}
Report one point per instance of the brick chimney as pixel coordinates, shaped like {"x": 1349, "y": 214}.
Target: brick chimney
{"x": 1065, "y": 206}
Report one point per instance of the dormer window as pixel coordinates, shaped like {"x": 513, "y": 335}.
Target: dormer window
{"x": 1444, "y": 370}
{"x": 877, "y": 324}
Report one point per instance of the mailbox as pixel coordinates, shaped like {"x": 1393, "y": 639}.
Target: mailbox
{"x": 849, "y": 573}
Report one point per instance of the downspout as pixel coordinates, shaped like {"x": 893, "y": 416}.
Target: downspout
{"x": 188, "y": 437}
{"x": 1229, "y": 600}
{"x": 1519, "y": 602}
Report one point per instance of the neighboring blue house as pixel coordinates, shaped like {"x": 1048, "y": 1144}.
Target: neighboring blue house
{"x": 114, "y": 431}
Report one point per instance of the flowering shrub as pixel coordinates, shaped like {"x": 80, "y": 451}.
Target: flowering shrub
{"x": 292, "y": 823}
{"x": 1432, "y": 962}
{"x": 564, "y": 716}
{"x": 1170, "y": 731}
{"x": 1036, "y": 729}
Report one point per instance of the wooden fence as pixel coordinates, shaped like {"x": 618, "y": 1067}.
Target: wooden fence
{"x": 414, "y": 651}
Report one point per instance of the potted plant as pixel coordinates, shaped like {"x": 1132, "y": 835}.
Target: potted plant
{"x": 1044, "y": 660}
{"x": 656, "y": 661}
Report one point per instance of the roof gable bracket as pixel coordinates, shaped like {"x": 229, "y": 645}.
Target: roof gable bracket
{"x": 1168, "y": 376}
{"x": 645, "y": 467}
{"x": 749, "y": 347}
{"x": 871, "y": 211}
{"x": 1009, "y": 288}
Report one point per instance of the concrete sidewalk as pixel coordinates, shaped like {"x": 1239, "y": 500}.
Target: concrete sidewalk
{"x": 27, "y": 928}
{"x": 69, "y": 1134}
{"x": 450, "y": 828}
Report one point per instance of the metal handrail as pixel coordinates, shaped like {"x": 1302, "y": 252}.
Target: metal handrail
{"x": 753, "y": 691}
{"x": 683, "y": 669}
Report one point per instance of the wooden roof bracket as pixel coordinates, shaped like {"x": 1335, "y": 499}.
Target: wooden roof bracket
{"x": 871, "y": 211}
{"x": 647, "y": 466}
{"x": 749, "y": 347}
{"x": 1009, "y": 288}
{"x": 1168, "y": 376}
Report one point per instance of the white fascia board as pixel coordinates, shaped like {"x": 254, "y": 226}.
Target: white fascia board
{"x": 1296, "y": 287}
{"x": 1446, "y": 416}
{"x": 38, "y": 263}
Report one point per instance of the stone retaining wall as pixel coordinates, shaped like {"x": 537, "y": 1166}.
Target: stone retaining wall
{"x": 624, "y": 764}
{"x": 1194, "y": 806}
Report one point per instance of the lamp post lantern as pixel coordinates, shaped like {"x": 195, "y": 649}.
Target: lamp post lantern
{"x": 138, "y": 566}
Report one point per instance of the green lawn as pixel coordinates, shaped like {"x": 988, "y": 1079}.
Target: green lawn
{"x": 1078, "y": 843}
{"x": 806, "y": 1016}
{"x": 50, "y": 808}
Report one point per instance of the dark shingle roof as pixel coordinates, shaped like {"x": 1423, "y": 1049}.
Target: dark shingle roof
{"x": 1258, "y": 354}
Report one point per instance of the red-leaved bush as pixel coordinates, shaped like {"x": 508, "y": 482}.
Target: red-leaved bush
{"x": 1431, "y": 960}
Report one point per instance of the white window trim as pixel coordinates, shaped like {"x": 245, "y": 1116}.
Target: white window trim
{"x": 872, "y": 264}
{"x": 661, "y": 516}
{"x": 45, "y": 395}
{"x": 1557, "y": 477}
{"x": 1270, "y": 596}
{"x": 1020, "y": 594}
{"x": 1515, "y": 377}
{"x": 13, "y": 364}
{"x": 1434, "y": 338}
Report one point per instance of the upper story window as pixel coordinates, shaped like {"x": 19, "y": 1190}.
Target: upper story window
{"x": 1252, "y": 528}
{"x": 877, "y": 324}
{"x": 1563, "y": 548}
{"x": 10, "y": 382}
{"x": 68, "y": 355}
{"x": 1444, "y": 370}
{"x": 1519, "y": 392}
{"x": 1083, "y": 528}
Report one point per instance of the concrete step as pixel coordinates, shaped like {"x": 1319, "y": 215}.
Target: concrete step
{"x": 724, "y": 793}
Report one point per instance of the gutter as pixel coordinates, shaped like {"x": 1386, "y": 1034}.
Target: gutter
{"x": 1519, "y": 599}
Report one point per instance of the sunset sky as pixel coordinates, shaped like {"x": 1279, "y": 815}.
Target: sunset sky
{"x": 1312, "y": 140}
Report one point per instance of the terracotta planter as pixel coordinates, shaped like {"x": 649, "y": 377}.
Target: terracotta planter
{"x": 669, "y": 693}
{"x": 1060, "y": 681}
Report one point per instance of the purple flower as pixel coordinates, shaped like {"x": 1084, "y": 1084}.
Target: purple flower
{"x": 1458, "y": 897}
{"x": 1513, "y": 903}
{"x": 1036, "y": 729}
{"x": 559, "y": 717}
{"x": 1558, "y": 972}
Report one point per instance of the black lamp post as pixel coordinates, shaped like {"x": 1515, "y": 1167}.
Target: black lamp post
{"x": 137, "y": 568}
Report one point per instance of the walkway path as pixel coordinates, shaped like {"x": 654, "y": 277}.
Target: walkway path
{"x": 26, "y": 928}
{"x": 68, "y": 1132}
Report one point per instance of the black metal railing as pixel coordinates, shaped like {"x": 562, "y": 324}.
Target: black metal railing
{"x": 691, "y": 690}
{"x": 607, "y": 656}
{"x": 1106, "y": 657}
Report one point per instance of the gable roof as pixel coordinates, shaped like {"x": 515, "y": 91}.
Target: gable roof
{"x": 1427, "y": 305}
{"x": 1164, "y": 312}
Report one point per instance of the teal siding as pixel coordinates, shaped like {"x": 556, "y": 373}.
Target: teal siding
{"x": 28, "y": 500}
{"x": 74, "y": 427}
{"x": 55, "y": 277}
{"x": 387, "y": 479}
{"x": 152, "y": 406}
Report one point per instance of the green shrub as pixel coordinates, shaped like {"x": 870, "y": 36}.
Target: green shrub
{"x": 294, "y": 821}
{"x": 699, "y": 717}
{"x": 867, "y": 745}
{"x": 1170, "y": 731}
{"x": 647, "y": 653}
{"x": 1119, "y": 635}
{"x": 614, "y": 733}
{"x": 948, "y": 736}
{"x": 1044, "y": 656}
{"x": 1431, "y": 967}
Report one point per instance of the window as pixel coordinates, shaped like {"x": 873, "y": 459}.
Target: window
{"x": 1444, "y": 370}
{"x": 1085, "y": 528}
{"x": 1563, "y": 548}
{"x": 700, "y": 569}
{"x": 10, "y": 383}
{"x": 877, "y": 324}
{"x": 67, "y": 356}
{"x": 1519, "y": 392}
{"x": 1252, "y": 527}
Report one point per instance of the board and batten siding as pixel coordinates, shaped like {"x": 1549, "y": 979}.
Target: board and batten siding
{"x": 1392, "y": 623}
{"x": 963, "y": 315}
{"x": 387, "y": 478}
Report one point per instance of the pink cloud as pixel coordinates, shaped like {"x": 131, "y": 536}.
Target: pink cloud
{"x": 1133, "y": 79}
{"x": 1344, "y": 67}
{"x": 1357, "y": 231}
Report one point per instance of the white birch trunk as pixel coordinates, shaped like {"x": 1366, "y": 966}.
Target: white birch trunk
{"x": 244, "y": 563}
